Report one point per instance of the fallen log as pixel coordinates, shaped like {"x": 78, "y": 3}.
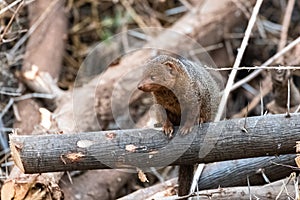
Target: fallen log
{"x": 143, "y": 148}
{"x": 259, "y": 171}
{"x": 228, "y": 174}
{"x": 280, "y": 190}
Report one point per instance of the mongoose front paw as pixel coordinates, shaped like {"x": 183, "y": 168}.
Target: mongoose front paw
{"x": 168, "y": 129}
{"x": 185, "y": 129}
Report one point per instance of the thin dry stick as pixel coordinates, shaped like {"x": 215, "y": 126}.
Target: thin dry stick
{"x": 265, "y": 64}
{"x": 255, "y": 67}
{"x": 133, "y": 14}
{"x": 296, "y": 183}
{"x": 297, "y": 110}
{"x": 34, "y": 95}
{"x": 238, "y": 60}
{"x": 11, "y": 20}
{"x": 6, "y": 108}
{"x": 197, "y": 174}
{"x": 261, "y": 101}
{"x": 288, "y": 103}
{"x": 283, "y": 39}
{"x": 186, "y": 4}
{"x": 9, "y": 6}
{"x": 249, "y": 188}
{"x": 285, "y": 25}
{"x": 282, "y": 43}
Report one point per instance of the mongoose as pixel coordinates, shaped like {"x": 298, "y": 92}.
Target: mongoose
{"x": 189, "y": 96}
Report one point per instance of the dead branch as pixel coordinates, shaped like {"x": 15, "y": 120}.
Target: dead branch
{"x": 142, "y": 148}
{"x": 213, "y": 175}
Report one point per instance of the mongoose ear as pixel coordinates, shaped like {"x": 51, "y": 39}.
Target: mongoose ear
{"x": 171, "y": 67}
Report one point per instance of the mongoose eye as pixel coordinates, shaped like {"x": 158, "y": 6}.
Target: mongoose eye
{"x": 152, "y": 78}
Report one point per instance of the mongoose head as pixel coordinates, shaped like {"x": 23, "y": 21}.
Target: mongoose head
{"x": 159, "y": 73}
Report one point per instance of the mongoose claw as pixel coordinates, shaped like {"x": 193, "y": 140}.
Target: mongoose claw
{"x": 168, "y": 130}
{"x": 185, "y": 130}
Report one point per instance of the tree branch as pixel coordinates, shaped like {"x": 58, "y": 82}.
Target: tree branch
{"x": 143, "y": 148}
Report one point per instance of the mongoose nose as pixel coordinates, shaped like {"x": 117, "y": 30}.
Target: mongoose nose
{"x": 140, "y": 86}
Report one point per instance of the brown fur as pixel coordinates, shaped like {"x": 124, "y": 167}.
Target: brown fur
{"x": 189, "y": 95}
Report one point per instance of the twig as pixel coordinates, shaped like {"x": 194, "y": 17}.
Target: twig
{"x": 10, "y": 93}
{"x": 186, "y": 4}
{"x": 207, "y": 48}
{"x": 261, "y": 101}
{"x": 157, "y": 174}
{"x": 238, "y": 60}
{"x": 6, "y": 108}
{"x": 4, "y": 129}
{"x": 229, "y": 50}
{"x": 133, "y": 14}
{"x": 249, "y": 188}
{"x": 268, "y": 62}
{"x": 293, "y": 67}
{"x": 175, "y": 11}
{"x": 3, "y": 138}
{"x": 288, "y": 97}
{"x": 11, "y": 20}
{"x": 285, "y": 25}
{"x": 250, "y": 89}
{"x": 17, "y": 113}
{"x": 35, "y": 95}
{"x": 242, "y": 7}
{"x": 263, "y": 174}
{"x": 197, "y": 174}
{"x": 9, "y": 6}
{"x": 138, "y": 35}
{"x": 296, "y": 183}
{"x": 297, "y": 110}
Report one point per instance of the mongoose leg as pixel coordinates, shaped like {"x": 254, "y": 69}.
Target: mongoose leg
{"x": 190, "y": 118}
